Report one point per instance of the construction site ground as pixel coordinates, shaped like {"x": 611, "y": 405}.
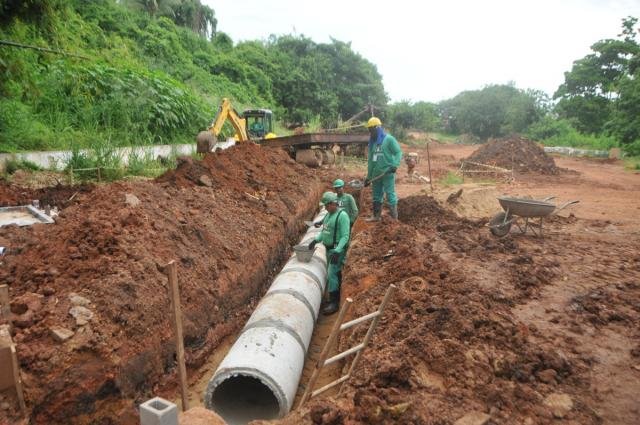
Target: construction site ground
{"x": 517, "y": 330}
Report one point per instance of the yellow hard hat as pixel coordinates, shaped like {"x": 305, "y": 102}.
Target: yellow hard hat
{"x": 374, "y": 122}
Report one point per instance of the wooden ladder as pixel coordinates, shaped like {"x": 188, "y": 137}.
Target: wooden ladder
{"x": 338, "y": 327}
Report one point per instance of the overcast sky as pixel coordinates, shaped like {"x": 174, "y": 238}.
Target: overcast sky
{"x": 432, "y": 50}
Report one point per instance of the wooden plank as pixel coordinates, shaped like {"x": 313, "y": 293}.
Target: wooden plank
{"x": 5, "y": 307}
{"x": 6, "y": 368}
{"x": 18, "y": 380}
{"x": 171, "y": 270}
{"x": 316, "y": 139}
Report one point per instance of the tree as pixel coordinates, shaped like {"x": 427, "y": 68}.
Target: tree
{"x": 190, "y": 14}
{"x": 588, "y": 95}
{"x": 419, "y": 116}
{"x": 321, "y": 80}
{"x": 494, "y": 111}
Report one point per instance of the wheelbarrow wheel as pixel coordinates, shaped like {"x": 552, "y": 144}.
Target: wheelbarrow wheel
{"x": 500, "y": 225}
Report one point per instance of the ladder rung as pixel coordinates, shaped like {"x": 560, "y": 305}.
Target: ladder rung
{"x": 354, "y": 322}
{"x": 331, "y": 385}
{"x": 343, "y": 354}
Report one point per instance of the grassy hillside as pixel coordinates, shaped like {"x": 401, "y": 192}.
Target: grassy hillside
{"x": 142, "y": 78}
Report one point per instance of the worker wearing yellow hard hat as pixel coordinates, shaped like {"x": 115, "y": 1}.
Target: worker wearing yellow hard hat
{"x": 383, "y": 161}
{"x": 374, "y": 122}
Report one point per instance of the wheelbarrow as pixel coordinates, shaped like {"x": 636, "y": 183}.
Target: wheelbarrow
{"x": 527, "y": 209}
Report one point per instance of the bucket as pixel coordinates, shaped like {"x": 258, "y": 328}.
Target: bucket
{"x": 303, "y": 253}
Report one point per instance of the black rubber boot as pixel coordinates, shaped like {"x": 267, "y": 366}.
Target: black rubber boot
{"x": 334, "y": 303}
{"x": 393, "y": 210}
{"x": 377, "y": 211}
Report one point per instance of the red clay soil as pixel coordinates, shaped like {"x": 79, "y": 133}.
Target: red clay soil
{"x": 451, "y": 344}
{"x": 514, "y": 153}
{"x": 226, "y": 239}
{"x": 59, "y": 196}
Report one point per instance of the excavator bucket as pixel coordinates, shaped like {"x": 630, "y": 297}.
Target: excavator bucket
{"x": 205, "y": 142}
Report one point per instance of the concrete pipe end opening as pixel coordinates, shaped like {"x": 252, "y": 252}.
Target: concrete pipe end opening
{"x": 242, "y": 397}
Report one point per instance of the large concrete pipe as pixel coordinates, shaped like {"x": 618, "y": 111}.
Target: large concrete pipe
{"x": 309, "y": 157}
{"x": 328, "y": 157}
{"x": 259, "y": 377}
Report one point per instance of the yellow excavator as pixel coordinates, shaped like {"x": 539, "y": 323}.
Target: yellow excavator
{"x": 252, "y": 125}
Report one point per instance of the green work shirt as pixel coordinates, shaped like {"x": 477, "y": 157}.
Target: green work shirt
{"x": 335, "y": 231}
{"x": 381, "y": 157}
{"x": 347, "y": 203}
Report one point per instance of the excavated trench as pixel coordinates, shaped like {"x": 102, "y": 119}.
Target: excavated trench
{"x": 243, "y": 382}
{"x": 269, "y": 354}
{"x": 229, "y": 237}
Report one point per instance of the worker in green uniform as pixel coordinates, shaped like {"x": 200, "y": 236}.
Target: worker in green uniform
{"x": 346, "y": 201}
{"x": 335, "y": 237}
{"x": 384, "y": 159}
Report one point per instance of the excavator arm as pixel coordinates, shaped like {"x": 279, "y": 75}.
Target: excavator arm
{"x": 206, "y": 140}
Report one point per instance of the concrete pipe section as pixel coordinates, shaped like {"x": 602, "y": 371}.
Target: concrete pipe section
{"x": 259, "y": 377}
{"x": 309, "y": 157}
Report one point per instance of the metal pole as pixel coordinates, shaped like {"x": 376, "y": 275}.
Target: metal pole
{"x": 369, "y": 334}
{"x": 429, "y": 165}
{"x": 325, "y": 351}
{"x": 171, "y": 271}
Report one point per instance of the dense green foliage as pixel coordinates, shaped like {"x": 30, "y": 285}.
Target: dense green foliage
{"x": 597, "y": 106}
{"x": 494, "y": 111}
{"x": 139, "y": 72}
{"x": 422, "y": 116}
{"x": 601, "y": 92}
{"x": 154, "y": 71}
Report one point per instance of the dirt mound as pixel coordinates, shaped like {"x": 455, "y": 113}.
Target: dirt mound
{"x": 444, "y": 349}
{"x": 461, "y": 235}
{"x": 241, "y": 168}
{"x": 104, "y": 255}
{"x": 514, "y": 153}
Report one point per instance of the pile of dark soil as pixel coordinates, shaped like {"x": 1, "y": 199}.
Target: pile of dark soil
{"x": 60, "y": 196}
{"x": 514, "y": 153}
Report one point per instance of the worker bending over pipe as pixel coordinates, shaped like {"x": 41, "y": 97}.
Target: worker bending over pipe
{"x": 335, "y": 237}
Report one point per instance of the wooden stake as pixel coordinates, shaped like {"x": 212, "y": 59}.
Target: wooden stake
{"x": 18, "y": 381}
{"x": 171, "y": 271}
{"x": 5, "y": 308}
{"x": 429, "y": 165}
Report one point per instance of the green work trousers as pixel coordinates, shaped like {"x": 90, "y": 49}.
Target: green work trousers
{"x": 333, "y": 271}
{"x": 387, "y": 184}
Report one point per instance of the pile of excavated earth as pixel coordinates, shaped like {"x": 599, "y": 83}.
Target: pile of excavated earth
{"x": 514, "y": 153}
{"x": 89, "y": 303}
{"x": 450, "y": 349}
{"x": 468, "y": 337}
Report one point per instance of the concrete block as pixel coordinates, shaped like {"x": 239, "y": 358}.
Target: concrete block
{"x": 158, "y": 411}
